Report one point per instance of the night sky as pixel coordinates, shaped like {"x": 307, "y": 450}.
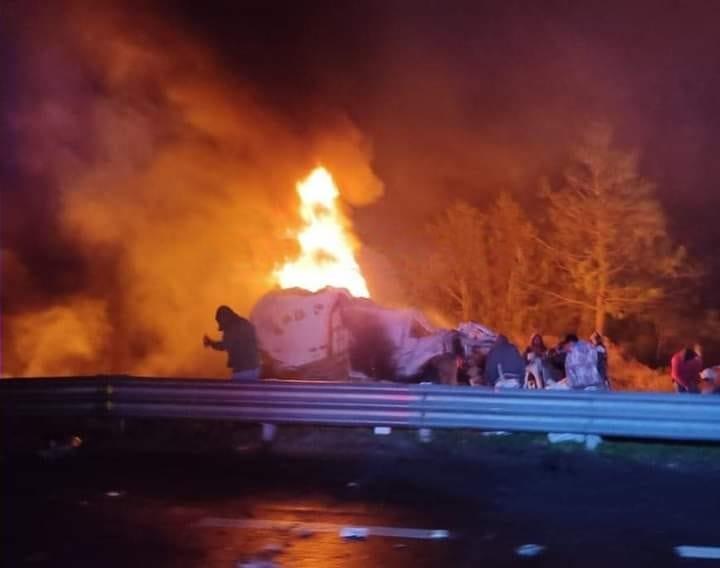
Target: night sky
{"x": 465, "y": 98}
{"x": 447, "y": 100}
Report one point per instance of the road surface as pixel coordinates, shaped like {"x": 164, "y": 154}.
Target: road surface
{"x": 430, "y": 509}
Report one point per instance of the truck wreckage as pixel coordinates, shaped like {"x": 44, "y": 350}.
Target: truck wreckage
{"x": 332, "y": 335}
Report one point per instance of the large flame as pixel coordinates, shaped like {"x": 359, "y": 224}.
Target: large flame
{"x": 326, "y": 246}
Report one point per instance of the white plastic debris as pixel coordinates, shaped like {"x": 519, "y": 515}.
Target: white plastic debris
{"x": 114, "y": 493}
{"x": 529, "y": 550}
{"x": 556, "y": 438}
{"x": 382, "y": 430}
{"x": 354, "y": 533}
{"x": 591, "y": 441}
{"x": 351, "y": 484}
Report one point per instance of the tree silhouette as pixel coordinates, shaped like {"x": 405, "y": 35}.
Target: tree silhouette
{"x": 608, "y": 237}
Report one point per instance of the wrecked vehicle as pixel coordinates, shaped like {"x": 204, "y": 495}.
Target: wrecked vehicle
{"x": 331, "y": 335}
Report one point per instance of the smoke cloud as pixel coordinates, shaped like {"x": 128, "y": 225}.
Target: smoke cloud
{"x": 153, "y": 187}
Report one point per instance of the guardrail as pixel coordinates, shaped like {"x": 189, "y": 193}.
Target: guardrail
{"x": 642, "y": 415}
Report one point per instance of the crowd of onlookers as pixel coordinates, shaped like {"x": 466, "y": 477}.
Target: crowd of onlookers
{"x": 574, "y": 363}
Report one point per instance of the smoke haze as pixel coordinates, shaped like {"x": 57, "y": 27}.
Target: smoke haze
{"x": 165, "y": 187}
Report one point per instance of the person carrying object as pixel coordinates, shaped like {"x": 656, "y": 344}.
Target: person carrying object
{"x": 240, "y": 342}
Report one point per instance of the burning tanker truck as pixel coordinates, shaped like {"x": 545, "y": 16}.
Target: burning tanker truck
{"x": 321, "y": 324}
{"x": 332, "y": 335}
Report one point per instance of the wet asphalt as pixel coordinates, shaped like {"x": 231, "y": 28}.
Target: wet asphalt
{"x": 263, "y": 508}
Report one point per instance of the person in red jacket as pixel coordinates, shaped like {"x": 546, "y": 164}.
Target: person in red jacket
{"x": 685, "y": 367}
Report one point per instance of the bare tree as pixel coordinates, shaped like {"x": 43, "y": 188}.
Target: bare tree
{"x": 609, "y": 237}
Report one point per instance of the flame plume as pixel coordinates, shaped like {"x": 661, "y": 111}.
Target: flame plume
{"x": 326, "y": 245}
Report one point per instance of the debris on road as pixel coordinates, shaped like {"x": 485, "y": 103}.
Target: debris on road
{"x": 591, "y": 441}
{"x": 354, "y": 533}
{"x": 529, "y": 550}
{"x": 56, "y": 451}
{"x": 303, "y": 532}
{"x": 114, "y": 493}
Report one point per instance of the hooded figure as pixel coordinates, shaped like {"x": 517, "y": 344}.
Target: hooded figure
{"x": 238, "y": 339}
{"x": 505, "y": 359}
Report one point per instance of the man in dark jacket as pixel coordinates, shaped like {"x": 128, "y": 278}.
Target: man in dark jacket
{"x": 504, "y": 362}
{"x": 238, "y": 339}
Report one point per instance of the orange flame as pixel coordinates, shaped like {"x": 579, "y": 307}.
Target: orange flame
{"x": 326, "y": 246}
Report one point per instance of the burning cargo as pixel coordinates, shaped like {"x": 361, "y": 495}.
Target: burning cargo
{"x": 332, "y": 335}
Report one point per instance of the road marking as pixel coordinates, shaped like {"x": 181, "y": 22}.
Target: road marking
{"x": 708, "y": 552}
{"x": 340, "y": 529}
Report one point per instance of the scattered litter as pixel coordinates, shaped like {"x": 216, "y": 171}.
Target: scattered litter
{"x": 56, "y": 451}
{"x": 425, "y": 434}
{"x": 114, "y": 493}
{"x": 270, "y": 550}
{"x": 591, "y": 441}
{"x": 303, "y": 532}
{"x": 555, "y": 438}
{"x": 257, "y": 563}
{"x": 354, "y": 533}
{"x": 263, "y": 558}
{"x": 496, "y": 433}
{"x": 382, "y": 430}
{"x": 529, "y": 550}
{"x": 705, "y": 552}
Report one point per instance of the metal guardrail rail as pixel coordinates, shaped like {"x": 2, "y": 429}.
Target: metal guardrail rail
{"x": 641, "y": 415}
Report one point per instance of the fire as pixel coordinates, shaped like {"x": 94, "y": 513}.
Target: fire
{"x": 326, "y": 246}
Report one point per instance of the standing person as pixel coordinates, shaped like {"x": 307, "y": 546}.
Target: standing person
{"x": 685, "y": 368}
{"x": 597, "y": 340}
{"x": 581, "y": 365}
{"x": 240, "y": 342}
{"x": 504, "y": 362}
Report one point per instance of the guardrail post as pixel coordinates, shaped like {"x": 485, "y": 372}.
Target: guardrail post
{"x": 117, "y": 424}
{"x": 424, "y": 434}
{"x": 268, "y": 432}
